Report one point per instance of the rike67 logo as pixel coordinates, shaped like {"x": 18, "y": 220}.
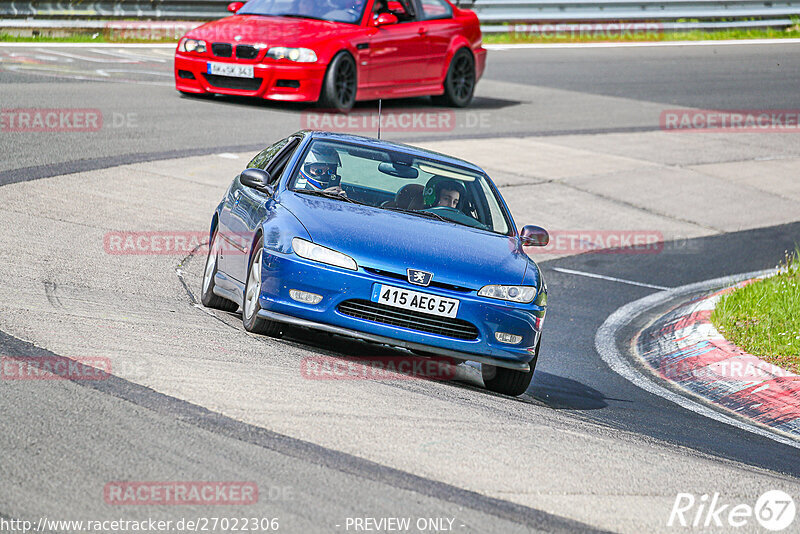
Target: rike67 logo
{"x": 774, "y": 510}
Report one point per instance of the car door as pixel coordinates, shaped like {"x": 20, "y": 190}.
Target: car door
{"x": 241, "y": 211}
{"x": 398, "y": 55}
{"x": 440, "y": 28}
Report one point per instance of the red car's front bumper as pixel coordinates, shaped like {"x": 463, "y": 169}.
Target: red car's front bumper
{"x": 480, "y": 62}
{"x": 285, "y": 81}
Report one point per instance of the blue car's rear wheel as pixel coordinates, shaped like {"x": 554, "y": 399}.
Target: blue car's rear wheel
{"x": 250, "y": 306}
{"x": 207, "y": 296}
{"x": 509, "y": 381}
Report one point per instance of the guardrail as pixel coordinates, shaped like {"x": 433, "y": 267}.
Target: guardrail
{"x": 713, "y": 13}
{"x": 493, "y": 11}
{"x": 116, "y": 9}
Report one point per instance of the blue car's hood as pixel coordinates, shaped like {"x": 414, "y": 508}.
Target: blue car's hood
{"x": 392, "y": 241}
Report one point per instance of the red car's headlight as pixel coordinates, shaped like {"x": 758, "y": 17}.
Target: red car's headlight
{"x": 300, "y": 55}
{"x": 192, "y": 45}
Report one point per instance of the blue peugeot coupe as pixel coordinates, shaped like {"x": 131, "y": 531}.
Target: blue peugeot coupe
{"x": 383, "y": 242}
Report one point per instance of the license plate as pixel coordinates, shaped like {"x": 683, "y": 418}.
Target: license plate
{"x": 230, "y": 69}
{"x": 414, "y": 300}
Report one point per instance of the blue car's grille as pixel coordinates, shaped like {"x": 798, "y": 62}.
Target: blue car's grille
{"x": 381, "y": 313}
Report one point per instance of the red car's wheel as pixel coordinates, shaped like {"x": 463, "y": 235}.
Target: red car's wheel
{"x": 340, "y": 84}
{"x": 459, "y": 85}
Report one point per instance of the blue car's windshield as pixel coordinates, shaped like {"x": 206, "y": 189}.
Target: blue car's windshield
{"x": 396, "y": 180}
{"x": 349, "y": 11}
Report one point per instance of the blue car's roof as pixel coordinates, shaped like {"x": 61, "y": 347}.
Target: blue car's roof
{"x": 389, "y": 145}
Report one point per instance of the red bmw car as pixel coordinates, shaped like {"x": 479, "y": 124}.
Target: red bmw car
{"x": 335, "y": 52}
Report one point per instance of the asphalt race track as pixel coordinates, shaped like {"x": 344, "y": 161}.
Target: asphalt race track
{"x": 195, "y": 398}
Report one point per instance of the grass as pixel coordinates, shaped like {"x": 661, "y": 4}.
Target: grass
{"x": 763, "y": 318}
{"x": 511, "y": 37}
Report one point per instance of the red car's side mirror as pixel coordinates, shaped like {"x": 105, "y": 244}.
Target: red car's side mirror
{"x": 385, "y": 19}
{"x": 233, "y": 7}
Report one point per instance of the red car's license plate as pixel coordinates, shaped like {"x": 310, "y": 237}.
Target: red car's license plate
{"x": 230, "y": 69}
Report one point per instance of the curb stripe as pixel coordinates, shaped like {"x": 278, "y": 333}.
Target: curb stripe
{"x": 685, "y": 348}
{"x": 606, "y": 345}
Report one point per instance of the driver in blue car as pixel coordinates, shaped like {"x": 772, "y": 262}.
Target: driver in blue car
{"x": 443, "y": 193}
{"x": 319, "y": 172}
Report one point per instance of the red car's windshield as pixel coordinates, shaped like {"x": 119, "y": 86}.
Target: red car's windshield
{"x": 349, "y": 11}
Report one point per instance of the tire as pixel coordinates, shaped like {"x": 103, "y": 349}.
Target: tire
{"x": 340, "y": 84}
{"x": 459, "y": 84}
{"x": 207, "y": 296}
{"x": 250, "y": 305}
{"x": 187, "y": 94}
{"x": 508, "y": 381}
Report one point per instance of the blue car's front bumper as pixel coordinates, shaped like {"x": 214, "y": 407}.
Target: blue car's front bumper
{"x": 282, "y": 273}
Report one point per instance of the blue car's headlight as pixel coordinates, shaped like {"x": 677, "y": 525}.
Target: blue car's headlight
{"x": 312, "y": 251}
{"x": 522, "y": 294}
{"x": 300, "y": 55}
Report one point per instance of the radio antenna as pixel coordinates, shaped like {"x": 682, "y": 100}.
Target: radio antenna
{"x": 379, "y": 117}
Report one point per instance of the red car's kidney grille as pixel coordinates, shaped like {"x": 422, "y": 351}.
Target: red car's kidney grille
{"x": 221, "y": 49}
{"x": 231, "y": 82}
{"x": 423, "y": 322}
{"x": 246, "y": 52}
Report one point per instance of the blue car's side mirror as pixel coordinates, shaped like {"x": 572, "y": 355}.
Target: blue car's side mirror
{"x": 534, "y": 236}
{"x": 257, "y": 179}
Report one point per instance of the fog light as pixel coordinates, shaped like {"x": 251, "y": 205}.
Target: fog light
{"x": 511, "y": 339}
{"x": 305, "y": 297}
{"x": 294, "y": 84}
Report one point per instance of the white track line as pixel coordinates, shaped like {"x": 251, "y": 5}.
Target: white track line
{"x": 641, "y": 44}
{"x": 611, "y": 278}
{"x": 605, "y": 343}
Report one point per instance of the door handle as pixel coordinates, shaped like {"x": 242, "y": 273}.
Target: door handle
{"x": 423, "y": 31}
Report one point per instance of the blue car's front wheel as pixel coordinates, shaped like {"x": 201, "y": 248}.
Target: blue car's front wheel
{"x": 250, "y": 308}
{"x": 509, "y": 381}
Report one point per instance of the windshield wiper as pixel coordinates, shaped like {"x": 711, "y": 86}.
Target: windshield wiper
{"x": 428, "y": 214}
{"x": 331, "y": 194}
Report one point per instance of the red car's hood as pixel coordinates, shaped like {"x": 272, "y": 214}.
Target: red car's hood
{"x": 270, "y": 31}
